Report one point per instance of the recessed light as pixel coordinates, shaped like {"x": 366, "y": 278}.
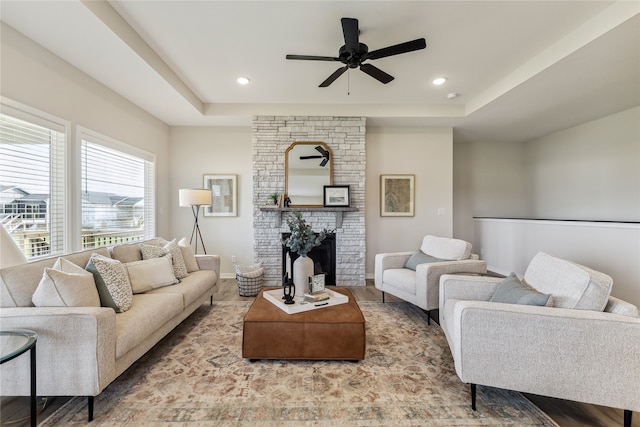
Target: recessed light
{"x": 452, "y": 95}
{"x": 438, "y": 81}
{"x": 243, "y": 80}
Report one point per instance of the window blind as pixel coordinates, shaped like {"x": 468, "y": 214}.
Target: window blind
{"x": 32, "y": 182}
{"x": 117, "y": 194}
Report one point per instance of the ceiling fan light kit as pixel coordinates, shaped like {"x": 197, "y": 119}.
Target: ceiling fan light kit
{"x": 353, "y": 54}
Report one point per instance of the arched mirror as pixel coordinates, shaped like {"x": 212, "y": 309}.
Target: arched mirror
{"x": 308, "y": 168}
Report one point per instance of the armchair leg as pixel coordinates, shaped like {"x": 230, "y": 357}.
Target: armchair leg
{"x": 383, "y": 297}
{"x": 90, "y": 408}
{"x": 473, "y": 397}
{"x": 627, "y": 417}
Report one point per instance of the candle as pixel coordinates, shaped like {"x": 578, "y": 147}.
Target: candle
{"x": 288, "y": 266}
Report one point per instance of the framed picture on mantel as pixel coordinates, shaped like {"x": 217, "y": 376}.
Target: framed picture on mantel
{"x": 336, "y": 196}
{"x": 397, "y": 195}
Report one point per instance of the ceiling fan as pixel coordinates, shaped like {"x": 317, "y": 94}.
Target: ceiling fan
{"x": 324, "y": 156}
{"x": 354, "y": 53}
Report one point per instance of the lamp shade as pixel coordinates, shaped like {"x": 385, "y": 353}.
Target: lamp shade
{"x": 194, "y": 197}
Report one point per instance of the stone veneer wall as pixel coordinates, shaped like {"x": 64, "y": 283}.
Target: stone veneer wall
{"x": 272, "y": 135}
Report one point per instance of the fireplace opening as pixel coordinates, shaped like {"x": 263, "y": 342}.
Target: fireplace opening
{"x": 323, "y": 256}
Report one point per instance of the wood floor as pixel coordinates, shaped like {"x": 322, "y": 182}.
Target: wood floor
{"x": 14, "y": 411}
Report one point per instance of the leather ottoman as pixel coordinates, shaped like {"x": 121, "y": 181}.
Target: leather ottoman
{"x": 330, "y": 333}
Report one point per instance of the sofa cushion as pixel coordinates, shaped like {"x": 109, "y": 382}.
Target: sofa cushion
{"x": 512, "y": 291}
{"x": 148, "y": 313}
{"x": 112, "y": 282}
{"x": 420, "y": 258}
{"x": 18, "y": 283}
{"x": 188, "y": 255}
{"x": 445, "y": 248}
{"x": 192, "y": 287}
{"x": 66, "y": 285}
{"x": 400, "y": 278}
{"x": 572, "y": 285}
{"x": 150, "y": 274}
{"x": 129, "y": 252}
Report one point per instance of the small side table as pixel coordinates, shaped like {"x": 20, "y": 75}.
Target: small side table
{"x": 14, "y": 343}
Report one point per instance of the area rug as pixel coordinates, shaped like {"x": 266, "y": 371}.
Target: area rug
{"x": 197, "y": 377}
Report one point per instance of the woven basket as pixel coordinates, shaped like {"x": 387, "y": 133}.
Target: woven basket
{"x": 249, "y": 286}
{"x": 249, "y": 279}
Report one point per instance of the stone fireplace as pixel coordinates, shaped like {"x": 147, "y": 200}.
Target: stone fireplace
{"x": 271, "y": 136}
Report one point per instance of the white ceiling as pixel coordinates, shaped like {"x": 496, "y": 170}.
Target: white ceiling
{"x": 522, "y": 69}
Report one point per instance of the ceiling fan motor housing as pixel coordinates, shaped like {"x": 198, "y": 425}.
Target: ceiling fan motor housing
{"x": 353, "y": 58}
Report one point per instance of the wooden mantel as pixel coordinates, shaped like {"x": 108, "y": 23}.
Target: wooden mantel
{"x": 279, "y": 211}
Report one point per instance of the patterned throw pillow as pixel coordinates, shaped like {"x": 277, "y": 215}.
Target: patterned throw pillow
{"x": 171, "y": 248}
{"x": 66, "y": 285}
{"x": 112, "y": 281}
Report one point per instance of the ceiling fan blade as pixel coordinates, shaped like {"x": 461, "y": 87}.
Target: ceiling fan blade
{"x": 397, "y": 49}
{"x": 376, "y": 73}
{"x": 351, "y": 34}
{"x": 333, "y": 76}
{"x": 310, "y": 157}
{"x": 313, "y": 58}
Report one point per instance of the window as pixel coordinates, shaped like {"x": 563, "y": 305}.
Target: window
{"x": 117, "y": 191}
{"x": 32, "y": 180}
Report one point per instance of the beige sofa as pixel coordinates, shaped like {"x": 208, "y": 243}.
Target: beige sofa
{"x": 583, "y": 345}
{"x": 81, "y": 350}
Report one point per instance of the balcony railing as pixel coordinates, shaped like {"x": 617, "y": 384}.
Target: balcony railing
{"x": 36, "y": 243}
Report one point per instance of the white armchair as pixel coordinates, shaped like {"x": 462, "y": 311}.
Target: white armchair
{"x": 414, "y": 276}
{"x": 586, "y": 347}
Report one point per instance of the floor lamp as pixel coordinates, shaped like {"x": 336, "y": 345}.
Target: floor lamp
{"x": 195, "y": 197}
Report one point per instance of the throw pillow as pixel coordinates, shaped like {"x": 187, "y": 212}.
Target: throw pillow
{"x": 112, "y": 282}
{"x": 150, "y": 274}
{"x": 420, "y": 258}
{"x": 513, "y": 291}
{"x": 171, "y": 248}
{"x": 188, "y": 255}
{"x": 66, "y": 285}
{"x": 152, "y": 251}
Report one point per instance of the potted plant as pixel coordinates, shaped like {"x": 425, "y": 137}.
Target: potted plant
{"x": 300, "y": 241}
{"x": 275, "y": 197}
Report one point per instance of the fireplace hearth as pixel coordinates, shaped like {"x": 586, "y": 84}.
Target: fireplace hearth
{"x": 323, "y": 256}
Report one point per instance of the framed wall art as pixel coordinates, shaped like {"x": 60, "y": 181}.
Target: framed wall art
{"x": 224, "y": 195}
{"x": 397, "y": 195}
{"x": 336, "y": 196}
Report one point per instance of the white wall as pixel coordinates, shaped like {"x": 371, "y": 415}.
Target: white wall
{"x": 488, "y": 180}
{"x": 428, "y": 154}
{"x": 35, "y": 77}
{"x": 587, "y": 172}
{"x": 196, "y": 151}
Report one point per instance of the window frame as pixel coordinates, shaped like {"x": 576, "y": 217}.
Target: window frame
{"x": 37, "y": 117}
{"x": 83, "y": 133}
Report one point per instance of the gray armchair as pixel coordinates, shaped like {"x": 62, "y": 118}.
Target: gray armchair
{"x": 414, "y": 276}
{"x": 586, "y": 347}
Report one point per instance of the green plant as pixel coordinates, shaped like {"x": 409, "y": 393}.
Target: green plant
{"x": 274, "y": 196}
{"x": 302, "y": 238}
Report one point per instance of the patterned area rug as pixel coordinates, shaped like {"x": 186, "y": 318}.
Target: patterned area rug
{"x": 197, "y": 377}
